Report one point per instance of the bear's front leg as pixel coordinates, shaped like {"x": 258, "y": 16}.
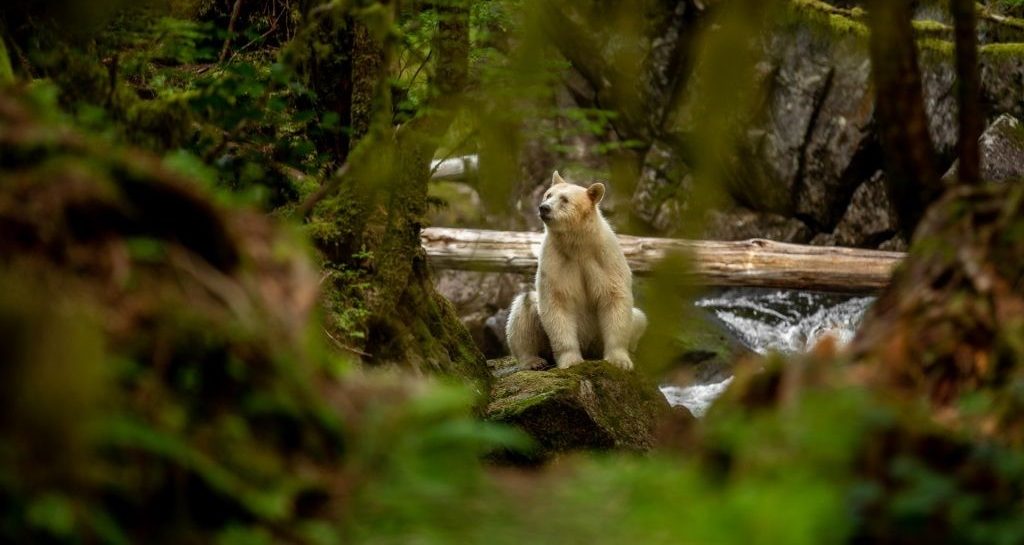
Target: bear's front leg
{"x": 616, "y": 320}
{"x": 563, "y": 332}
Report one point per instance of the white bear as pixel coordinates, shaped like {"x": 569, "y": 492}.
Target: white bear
{"x": 583, "y": 303}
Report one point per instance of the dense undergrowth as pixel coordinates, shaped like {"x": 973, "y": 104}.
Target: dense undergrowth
{"x": 181, "y": 355}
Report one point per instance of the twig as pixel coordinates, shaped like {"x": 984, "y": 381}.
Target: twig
{"x": 452, "y": 152}
{"x": 273, "y": 27}
{"x": 424, "y": 63}
{"x": 332, "y": 185}
{"x": 231, "y": 30}
{"x": 346, "y": 347}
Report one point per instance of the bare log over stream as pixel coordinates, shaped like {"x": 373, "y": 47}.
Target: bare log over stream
{"x": 750, "y": 263}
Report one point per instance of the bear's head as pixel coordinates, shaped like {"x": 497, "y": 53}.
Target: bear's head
{"x": 566, "y": 205}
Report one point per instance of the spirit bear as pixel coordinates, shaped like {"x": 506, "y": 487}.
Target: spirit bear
{"x": 583, "y": 301}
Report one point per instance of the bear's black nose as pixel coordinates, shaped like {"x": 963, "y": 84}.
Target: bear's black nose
{"x": 545, "y": 209}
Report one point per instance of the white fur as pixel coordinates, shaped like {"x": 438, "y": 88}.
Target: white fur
{"x": 583, "y": 303}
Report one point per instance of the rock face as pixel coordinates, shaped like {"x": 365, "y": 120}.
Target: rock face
{"x": 869, "y": 219}
{"x": 743, "y": 224}
{"x": 593, "y": 405}
{"x": 811, "y": 156}
{"x": 1002, "y": 152}
{"x": 659, "y": 198}
{"x": 840, "y": 142}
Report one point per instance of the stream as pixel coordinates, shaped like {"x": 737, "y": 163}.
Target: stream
{"x": 766, "y": 320}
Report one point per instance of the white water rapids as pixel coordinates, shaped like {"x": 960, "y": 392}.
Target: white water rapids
{"x": 766, "y": 320}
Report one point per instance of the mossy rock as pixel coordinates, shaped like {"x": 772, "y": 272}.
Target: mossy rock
{"x": 705, "y": 351}
{"x": 593, "y": 405}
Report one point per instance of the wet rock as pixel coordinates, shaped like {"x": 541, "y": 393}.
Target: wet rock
{"x": 894, "y": 244}
{"x": 705, "y": 351}
{"x": 743, "y": 224}
{"x": 1002, "y": 152}
{"x": 477, "y": 297}
{"x": 823, "y": 239}
{"x": 593, "y": 405}
{"x": 800, "y": 76}
{"x": 869, "y": 219}
{"x": 495, "y": 328}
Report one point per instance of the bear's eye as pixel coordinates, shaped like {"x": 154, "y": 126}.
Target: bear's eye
{"x": 564, "y": 200}
{"x": 547, "y": 196}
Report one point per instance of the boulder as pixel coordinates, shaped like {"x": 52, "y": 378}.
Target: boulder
{"x": 869, "y": 219}
{"x": 1002, "y": 79}
{"x": 1002, "y": 152}
{"x": 705, "y": 351}
{"x": 593, "y": 405}
{"x": 478, "y": 298}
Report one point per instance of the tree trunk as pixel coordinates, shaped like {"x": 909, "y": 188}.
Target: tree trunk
{"x": 969, "y": 87}
{"x": 380, "y": 205}
{"x": 910, "y": 159}
{"x": 323, "y": 53}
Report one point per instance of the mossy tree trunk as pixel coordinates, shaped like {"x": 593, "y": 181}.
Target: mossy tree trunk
{"x": 323, "y": 54}
{"x": 383, "y": 199}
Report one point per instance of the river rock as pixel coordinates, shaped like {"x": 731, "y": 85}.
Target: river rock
{"x": 593, "y": 405}
{"x": 705, "y": 351}
{"x": 1002, "y": 152}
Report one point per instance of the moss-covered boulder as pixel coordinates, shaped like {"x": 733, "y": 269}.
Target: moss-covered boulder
{"x": 593, "y": 405}
{"x": 704, "y": 351}
{"x": 1002, "y": 152}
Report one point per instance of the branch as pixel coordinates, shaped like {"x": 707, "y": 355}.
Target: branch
{"x": 969, "y": 89}
{"x": 324, "y": 190}
{"x": 231, "y": 30}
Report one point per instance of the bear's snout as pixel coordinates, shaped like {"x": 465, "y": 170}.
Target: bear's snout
{"x": 545, "y": 211}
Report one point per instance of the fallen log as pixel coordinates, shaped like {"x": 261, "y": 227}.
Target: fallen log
{"x": 749, "y": 263}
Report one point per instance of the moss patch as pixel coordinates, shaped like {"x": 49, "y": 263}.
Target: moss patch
{"x": 593, "y": 405}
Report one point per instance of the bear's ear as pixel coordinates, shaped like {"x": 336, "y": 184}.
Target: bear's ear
{"x": 556, "y": 178}
{"x": 596, "y": 192}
